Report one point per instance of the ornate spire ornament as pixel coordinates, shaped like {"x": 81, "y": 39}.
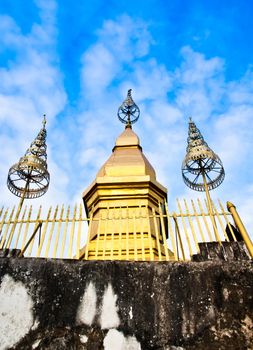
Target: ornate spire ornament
{"x": 202, "y": 169}
{"x": 128, "y": 112}
{"x": 29, "y": 178}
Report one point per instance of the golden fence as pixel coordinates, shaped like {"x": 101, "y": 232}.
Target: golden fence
{"x": 65, "y": 232}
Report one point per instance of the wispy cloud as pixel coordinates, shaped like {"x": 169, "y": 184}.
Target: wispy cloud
{"x": 30, "y": 85}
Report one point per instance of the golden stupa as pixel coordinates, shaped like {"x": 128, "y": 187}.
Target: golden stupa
{"x": 127, "y": 183}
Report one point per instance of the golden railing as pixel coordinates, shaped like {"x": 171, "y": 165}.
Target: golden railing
{"x": 64, "y": 232}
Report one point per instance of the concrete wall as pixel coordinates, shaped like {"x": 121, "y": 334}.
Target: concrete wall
{"x": 57, "y": 304}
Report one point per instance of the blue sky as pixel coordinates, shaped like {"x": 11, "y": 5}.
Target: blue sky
{"x": 75, "y": 62}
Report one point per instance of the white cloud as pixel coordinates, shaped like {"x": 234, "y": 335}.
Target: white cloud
{"x": 30, "y": 85}
{"x": 200, "y": 84}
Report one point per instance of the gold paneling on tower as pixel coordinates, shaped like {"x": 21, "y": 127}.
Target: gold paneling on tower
{"x": 122, "y": 196}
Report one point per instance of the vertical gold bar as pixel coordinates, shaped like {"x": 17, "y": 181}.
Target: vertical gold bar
{"x": 151, "y": 251}
{"x": 157, "y": 234}
{"x": 191, "y": 225}
{"x": 179, "y": 236}
{"x": 65, "y": 232}
{"x": 5, "y": 238}
{"x": 105, "y": 233}
{"x": 221, "y": 223}
{"x": 239, "y": 224}
{"x": 112, "y": 233}
{"x": 198, "y": 221}
{"x": 97, "y": 240}
{"x": 4, "y": 217}
{"x": 49, "y": 241}
{"x": 185, "y": 228}
{"x": 135, "y": 237}
{"x": 1, "y": 211}
{"x": 171, "y": 232}
{"x": 20, "y": 228}
{"x": 72, "y": 232}
{"x": 1, "y": 226}
{"x": 32, "y": 242}
{"x": 211, "y": 214}
{"x": 14, "y": 224}
{"x": 26, "y": 227}
{"x": 205, "y": 221}
{"x": 38, "y": 254}
{"x": 120, "y": 234}
{"x": 228, "y": 223}
{"x": 2, "y": 220}
{"x": 78, "y": 241}
{"x": 209, "y": 206}
{"x": 58, "y": 232}
{"x": 88, "y": 237}
{"x": 142, "y": 236}
{"x": 19, "y": 208}
{"x": 127, "y": 233}
{"x": 167, "y": 258}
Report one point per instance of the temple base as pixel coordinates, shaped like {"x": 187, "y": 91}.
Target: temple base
{"x": 144, "y": 247}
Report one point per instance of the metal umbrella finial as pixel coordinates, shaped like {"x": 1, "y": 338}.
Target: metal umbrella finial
{"x": 29, "y": 178}
{"x": 200, "y": 160}
{"x": 128, "y": 112}
{"x": 202, "y": 169}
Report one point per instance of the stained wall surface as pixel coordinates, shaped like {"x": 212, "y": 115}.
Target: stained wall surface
{"x": 60, "y": 304}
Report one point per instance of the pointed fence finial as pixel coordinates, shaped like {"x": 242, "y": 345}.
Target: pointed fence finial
{"x": 201, "y": 166}
{"x": 29, "y": 178}
{"x": 128, "y": 112}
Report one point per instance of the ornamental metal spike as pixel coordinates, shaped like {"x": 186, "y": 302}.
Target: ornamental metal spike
{"x": 128, "y": 112}
{"x": 201, "y": 167}
{"x": 29, "y": 178}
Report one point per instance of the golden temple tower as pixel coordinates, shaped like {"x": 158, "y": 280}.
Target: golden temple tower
{"x": 121, "y": 199}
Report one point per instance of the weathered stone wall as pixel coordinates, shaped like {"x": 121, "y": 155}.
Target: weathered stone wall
{"x": 60, "y": 304}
